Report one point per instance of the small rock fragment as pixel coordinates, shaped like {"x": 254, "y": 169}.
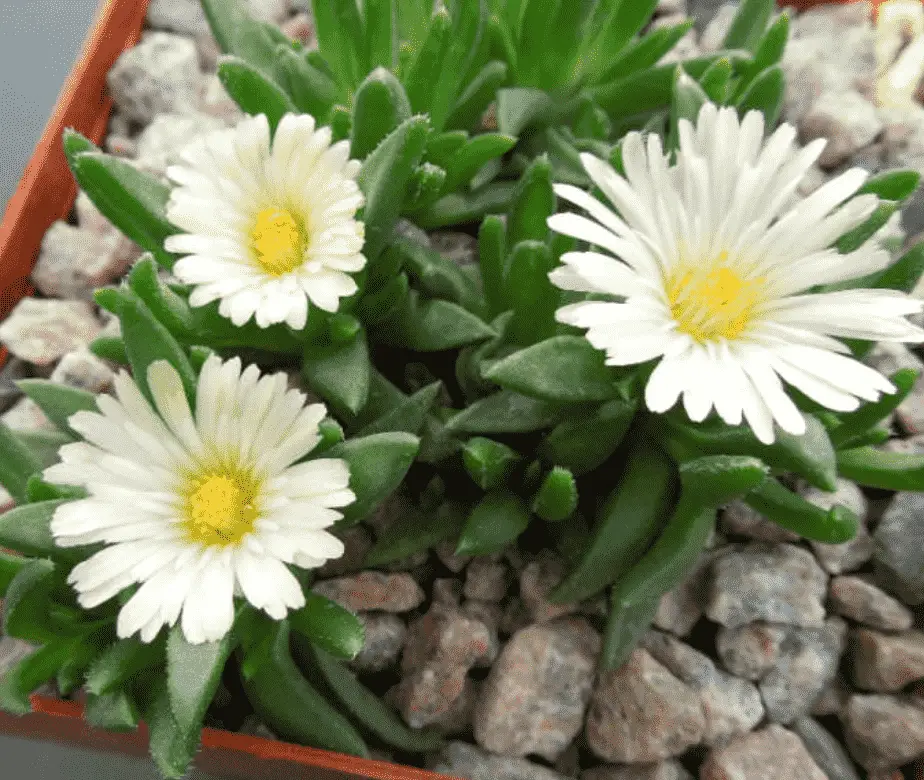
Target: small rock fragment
{"x": 825, "y": 750}
{"x": 385, "y": 636}
{"x": 447, "y": 591}
{"x": 461, "y": 248}
{"x": 372, "y": 590}
{"x": 860, "y": 600}
{"x": 773, "y": 753}
{"x": 664, "y": 770}
{"x": 83, "y": 370}
{"x": 460, "y": 759}
{"x": 776, "y": 583}
{"x": 884, "y": 732}
{"x": 42, "y": 330}
{"x": 446, "y": 552}
{"x": 730, "y": 706}
{"x": 681, "y": 608}
{"x": 536, "y": 582}
{"x": 159, "y": 75}
{"x": 162, "y": 142}
{"x": 808, "y": 661}
{"x": 887, "y": 662}
{"x": 534, "y": 699}
{"x": 357, "y": 541}
{"x": 641, "y": 713}
{"x": 485, "y": 580}
{"x": 738, "y": 519}
{"x": 25, "y": 415}
{"x": 899, "y": 552}
{"x": 491, "y": 615}
{"x": 750, "y": 651}
{"x": 846, "y": 119}
{"x": 300, "y": 28}
{"x": 833, "y": 699}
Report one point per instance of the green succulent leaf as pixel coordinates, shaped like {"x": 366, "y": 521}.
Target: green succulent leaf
{"x": 384, "y": 179}
{"x": 853, "y": 240}
{"x": 26, "y": 613}
{"x": 432, "y": 325}
{"x": 885, "y": 470}
{"x": 415, "y": 531}
{"x": 530, "y": 293}
{"x": 380, "y": 106}
{"x": 688, "y": 97}
{"x": 626, "y": 624}
{"x": 765, "y": 94}
{"x": 58, "y": 401}
{"x": 31, "y": 672}
{"x": 27, "y": 530}
{"x": 238, "y": 33}
{"x": 17, "y": 464}
{"x": 586, "y": 441}
{"x": 339, "y": 373}
{"x": 791, "y": 511}
{"x": 380, "y": 19}
{"x": 368, "y": 710}
{"x": 461, "y": 208}
{"x": 854, "y": 424}
{"x": 422, "y": 75}
{"x": 747, "y": 28}
{"x": 133, "y": 201}
{"x": 557, "y": 497}
{"x": 505, "y": 412}
{"x": 436, "y": 275}
{"x": 10, "y": 566}
{"x": 37, "y": 490}
{"x": 498, "y": 519}
{"x": 43, "y": 445}
{"x": 329, "y": 625}
{"x": 253, "y": 91}
{"x": 111, "y": 348}
{"x": 408, "y": 415}
{"x": 118, "y": 664}
{"x": 645, "y": 52}
{"x": 492, "y": 239}
{"x": 172, "y": 749}
{"x": 468, "y": 160}
{"x": 533, "y": 204}
{"x": 311, "y": 90}
{"x": 892, "y": 185}
{"x": 488, "y": 462}
{"x": 114, "y": 711}
{"x": 339, "y": 31}
{"x": 377, "y": 465}
{"x": 168, "y": 307}
{"x": 521, "y": 107}
{"x": 716, "y": 81}
{"x": 564, "y": 368}
{"x": 477, "y": 96}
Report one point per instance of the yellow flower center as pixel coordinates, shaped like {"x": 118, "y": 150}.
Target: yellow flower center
{"x": 713, "y": 302}
{"x": 220, "y": 506}
{"x": 278, "y": 240}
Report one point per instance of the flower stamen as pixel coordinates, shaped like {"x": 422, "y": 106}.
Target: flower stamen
{"x": 278, "y": 240}
{"x": 220, "y": 507}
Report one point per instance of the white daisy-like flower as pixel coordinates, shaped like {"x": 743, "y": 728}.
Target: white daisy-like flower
{"x": 712, "y": 261}
{"x": 268, "y": 227}
{"x": 199, "y": 506}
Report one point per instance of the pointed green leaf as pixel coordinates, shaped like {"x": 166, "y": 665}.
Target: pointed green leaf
{"x": 58, "y": 401}
{"x": 467, "y": 207}
{"x": 339, "y": 31}
{"x": 530, "y": 293}
{"x": 557, "y": 497}
{"x": 381, "y": 104}
{"x": 193, "y": 674}
{"x": 43, "y": 445}
{"x": 253, "y": 91}
{"x": 521, "y": 107}
{"x": 120, "y": 662}
{"x": 585, "y": 442}
{"x": 381, "y": 39}
{"x": 747, "y": 28}
{"x": 904, "y": 273}
{"x": 861, "y": 234}
{"x": 111, "y": 348}
{"x": 415, "y": 531}
{"x": 384, "y": 180}
{"x": 133, "y": 201}
{"x": 10, "y": 565}
{"x": 172, "y": 748}
{"x": 26, "y": 529}
{"x": 496, "y": 521}
{"x": 626, "y": 624}
{"x": 892, "y": 185}
{"x": 17, "y": 464}
{"x": 505, "y": 412}
{"x": 880, "y": 469}
{"x": 37, "y": 490}
{"x": 565, "y": 368}
{"x": 765, "y": 94}
{"x": 474, "y": 155}
{"x": 491, "y": 254}
{"x": 168, "y": 307}
{"x": 30, "y": 673}
{"x": 791, "y": 511}
{"x": 488, "y": 462}
{"x": 311, "y": 90}
{"x": 853, "y": 424}
{"x": 714, "y": 480}
{"x": 432, "y": 325}
{"x": 329, "y": 625}
{"x": 436, "y": 275}
{"x": 408, "y": 415}
{"x": 644, "y": 52}
{"x": 377, "y": 465}
{"x": 533, "y": 204}
{"x": 238, "y": 33}
{"x": 369, "y": 711}
{"x": 28, "y": 601}
{"x": 339, "y": 374}
{"x": 716, "y": 81}
{"x": 114, "y": 711}
{"x": 478, "y": 95}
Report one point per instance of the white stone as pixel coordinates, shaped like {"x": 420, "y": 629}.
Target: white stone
{"x": 162, "y": 141}
{"x": 847, "y": 119}
{"x": 41, "y": 331}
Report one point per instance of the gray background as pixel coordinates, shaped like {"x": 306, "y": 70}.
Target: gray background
{"x": 39, "y": 42}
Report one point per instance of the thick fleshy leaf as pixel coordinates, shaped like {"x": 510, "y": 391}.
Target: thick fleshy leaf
{"x": 238, "y": 33}
{"x": 17, "y": 464}
{"x": 380, "y": 21}
{"x": 26, "y": 529}
{"x": 904, "y": 273}
{"x": 172, "y": 748}
{"x": 530, "y": 293}
{"x": 424, "y": 71}
{"x": 339, "y": 373}
{"x": 329, "y": 625}
{"x": 253, "y": 91}
{"x": 339, "y": 32}
{"x": 532, "y": 205}
{"x": 747, "y": 27}
{"x": 714, "y": 480}
{"x": 791, "y": 511}
{"x": 311, "y": 90}
{"x": 432, "y": 325}
{"x": 716, "y": 81}
{"x": 884, "y": 470}
{"x": 892, "y": 185}
{"x": 488, "y": 462}
{"x": 557, "y": 497}
{"x": 506, "y": 412}
{"x": 133, "y": 201}
{"x": 44, "y": 445}
{"x": 466, "y": 207}
{"x": 565, "y": 368}
{"x": 147, "y": 340}
{"x": 427, "y": 184}
{"x": 30, "y": 673}
{"x": 496, "y": 521}
{"x": 644, "y": 52}
{"x": 466, "y": 162}
{"x": 114, "y": 711}
{"x": 625, "y": 526}
{"x": 384, "y": 180}
{"x": 380, "y": 105}
{"x": 626, "y": 624}
{"x": 478, "y": 95}
{"x": 492, "y": 252}
{"x": 111, "y": 348}
{"x": 377, "y": 465}
{"x": 120, "y": 662}
{"x": 521, "y": 107}
{"x": 38, "y": 490}
{"x": 853, "y": 240}
{"x": 765, "y": 94}
{"x": 287, "y": 703}
{"x": 369, "y": 711}
{"x": 408, "y": 415}
{"x": 853, "y": 424}
{"x": 586, "y": 441}
{"x": 436, "y": 275}
{"x": 415, "y": 531}
{"x": 171, "y": 309}
{"x": 10, "y": 565}
{"x": 58, "y": 401}
{"x": 193, "y": 674}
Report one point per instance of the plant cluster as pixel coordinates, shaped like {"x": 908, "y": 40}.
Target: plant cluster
{"x": 468, "y": 395}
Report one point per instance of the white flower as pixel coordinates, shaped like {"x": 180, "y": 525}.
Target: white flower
{"x": 713, "y": 261}
{"x": 267, "y": 228}
{"x": 199, "y": 506}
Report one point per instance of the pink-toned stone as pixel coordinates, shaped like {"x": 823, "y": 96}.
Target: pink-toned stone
{"x": 773, "y": 753}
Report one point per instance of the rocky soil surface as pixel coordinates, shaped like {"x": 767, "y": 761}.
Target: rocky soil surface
{"x": 776, "y": 660}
